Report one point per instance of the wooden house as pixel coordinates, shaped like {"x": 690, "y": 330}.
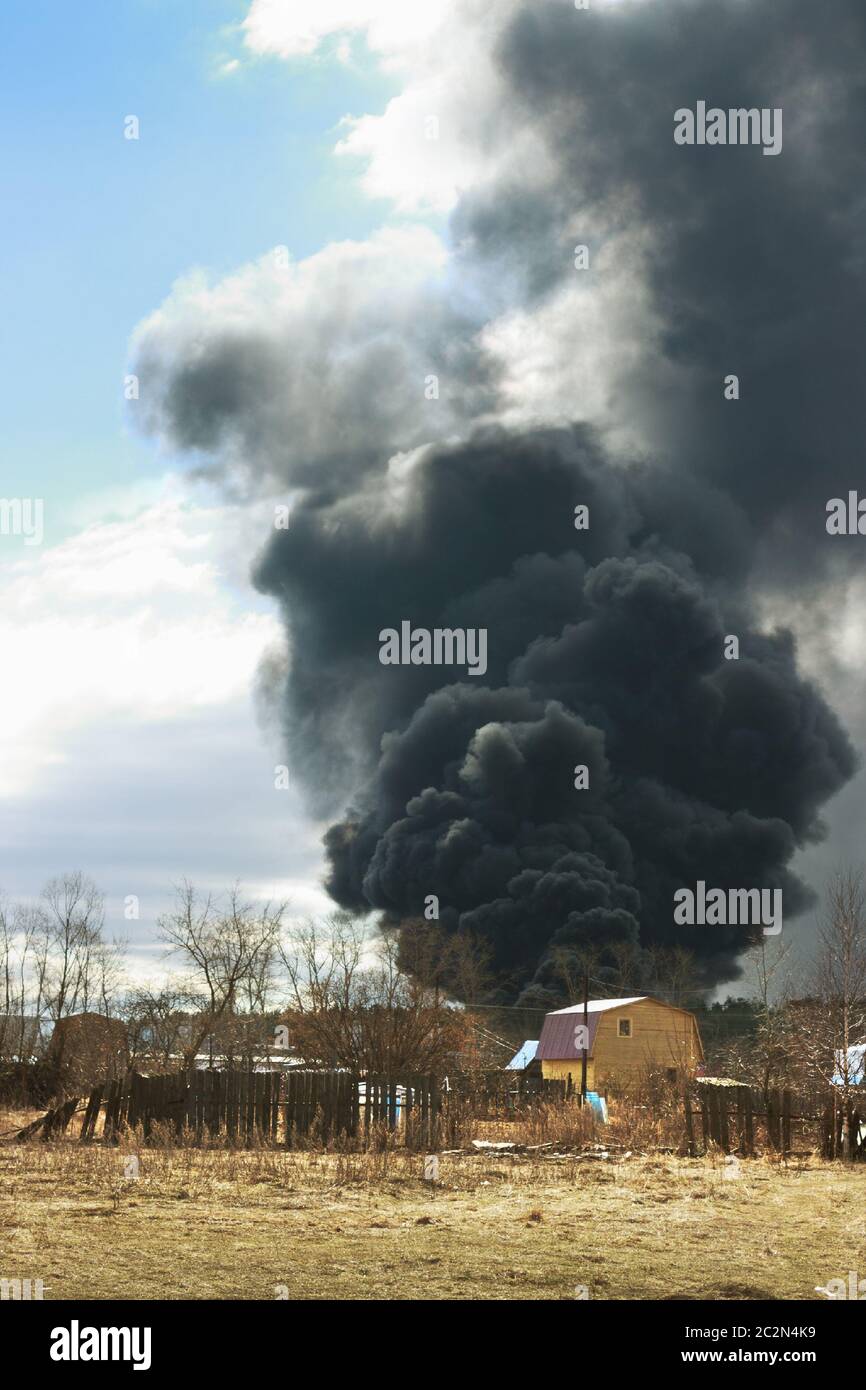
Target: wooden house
{"x": 625, "y": 1037}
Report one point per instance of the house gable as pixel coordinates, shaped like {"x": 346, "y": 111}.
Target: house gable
{"x": 625, "y": 1037}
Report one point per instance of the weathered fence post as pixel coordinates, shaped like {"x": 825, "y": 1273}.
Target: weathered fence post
{"x": 435, "y": 1109}
{"x": 749, "y": 1119}
{"x": 91, "y": 1114}
{"x": 57, "y": 1120}
{"x": 774, "y": 1120}
{"x": 724, "y": 1133}
{"x": 715, "y": 1121}
{"x": 690, "y": 1127}
{"x": 786, "y": 1122}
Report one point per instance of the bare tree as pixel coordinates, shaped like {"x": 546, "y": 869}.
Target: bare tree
{"x": 571, "y": 965}
{"x": 767, "y": 1052}
{"x": 54, "y": 963}
{"x": 11, "y": 999}
{"x": 158, "y": 1024}
{"x": 23, "y": 983}
{"x": 453, "y": 965}
{"x": 79, "y": 968}
{"x": 228, "y": 950}
{"x": 837, "y": 1018}
{"x": 671, "y": 973}
{"x": 356, "y": 1005}
{"x": 628, "y": 966}
{"x": 774, "y": 1046}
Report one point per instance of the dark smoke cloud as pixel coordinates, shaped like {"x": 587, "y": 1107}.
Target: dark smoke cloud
{"x": 310, "y": 373}
{"x": 605, "y": 647}
{"x": 755, "y": 264}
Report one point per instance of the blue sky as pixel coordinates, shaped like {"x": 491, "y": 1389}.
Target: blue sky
{"x": 132, "y": 745}
{"x": 96, "y": 227}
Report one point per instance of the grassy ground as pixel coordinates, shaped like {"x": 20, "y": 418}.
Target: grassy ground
{"x": 269, "y": 1224}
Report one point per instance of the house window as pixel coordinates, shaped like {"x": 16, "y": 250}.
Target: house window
{"x": 625, "y": 1027}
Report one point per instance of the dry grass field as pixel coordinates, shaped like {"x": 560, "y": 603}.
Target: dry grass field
{"x": 264, "y": 1224}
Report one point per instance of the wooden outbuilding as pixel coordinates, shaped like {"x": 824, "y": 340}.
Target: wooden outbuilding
{"x": 89, "y": 1047}
{"x": 624, "y": 1038}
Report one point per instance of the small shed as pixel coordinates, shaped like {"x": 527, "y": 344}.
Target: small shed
{"x": 524, "y": 1057}
{"x": 623, "y": 1038}
{"x": 90, "y": 1046}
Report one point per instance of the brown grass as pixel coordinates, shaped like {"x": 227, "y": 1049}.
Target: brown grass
{"x": 266, "y": 1223}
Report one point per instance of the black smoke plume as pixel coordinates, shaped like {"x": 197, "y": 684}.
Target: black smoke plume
{"x": 605, "y": 649}
{"x": 606, "y": 645}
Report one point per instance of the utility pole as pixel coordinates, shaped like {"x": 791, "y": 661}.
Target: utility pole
{"x": 585, "y": 1036}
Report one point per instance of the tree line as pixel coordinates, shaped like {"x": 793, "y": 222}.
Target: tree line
{"x": 246, "y": 982}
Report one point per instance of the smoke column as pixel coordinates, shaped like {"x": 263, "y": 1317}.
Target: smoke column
{"x": 562, "y": 387}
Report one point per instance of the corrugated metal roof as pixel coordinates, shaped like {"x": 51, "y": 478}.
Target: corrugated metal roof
{"x": 598, "y": 1006}
{"x": 522, "y": 1058}
{"x": 558, "y": 1042}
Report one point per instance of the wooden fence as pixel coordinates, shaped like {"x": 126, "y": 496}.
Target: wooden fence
{"x": 295, "y": 1107}
{"x": 744, "y": 1120}
{"x": 300, "y": 1107}
{"x": 290, "y": 1108}
{"x": 500, "y": 1094}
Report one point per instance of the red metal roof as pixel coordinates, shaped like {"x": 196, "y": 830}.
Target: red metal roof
{"x": 557, "y": 1042}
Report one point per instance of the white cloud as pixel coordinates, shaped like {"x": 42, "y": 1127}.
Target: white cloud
{"x": 443, "y": 52}
{"x": 127, "y": 619}
{"x": 450, "y": 85}
{"x": 296, "y": 28}
{"x": 419, "y": 153}
{"x": 130, "y": 742}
